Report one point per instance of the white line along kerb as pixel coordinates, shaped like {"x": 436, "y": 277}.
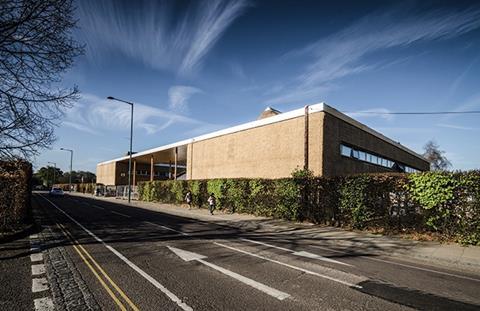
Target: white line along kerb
{"x": 144, "y": 274}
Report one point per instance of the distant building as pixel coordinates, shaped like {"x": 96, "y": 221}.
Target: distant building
{"x": 318, "y": 137}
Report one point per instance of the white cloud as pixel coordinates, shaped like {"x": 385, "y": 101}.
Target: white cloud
{"x": 343, "y": 53}
{"x": 94, "y": 115}
{"x": 458, "y": 127}
{"x": 382, "y": 113}
{"x": 179, "y": 95}
{"x": 155, "y": 33}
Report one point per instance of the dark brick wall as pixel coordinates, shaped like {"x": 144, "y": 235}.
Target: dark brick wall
{"x": 337, "y": 131}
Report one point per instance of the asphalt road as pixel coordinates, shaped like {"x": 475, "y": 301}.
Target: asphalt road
{"x": 133, "y": 258}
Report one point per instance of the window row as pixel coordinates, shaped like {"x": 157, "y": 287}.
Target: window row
{"x": 374, "y": 159}
{"x": 146, "y": 173}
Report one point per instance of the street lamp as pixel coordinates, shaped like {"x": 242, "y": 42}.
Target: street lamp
{"x": 130, "y": 153}
{"x": 71, "y": 160}
{"x": 54, "y": 170}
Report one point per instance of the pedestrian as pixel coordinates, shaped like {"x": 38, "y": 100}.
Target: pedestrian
{"x": 211, "y": 203}
{"x": 188, "y": 199}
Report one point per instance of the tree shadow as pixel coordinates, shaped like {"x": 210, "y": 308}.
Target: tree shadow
{"x": 413, "y": 298}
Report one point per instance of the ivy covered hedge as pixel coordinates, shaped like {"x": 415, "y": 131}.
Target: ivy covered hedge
{"x": 442, "y": 202}
{"x": 15, "y": 194}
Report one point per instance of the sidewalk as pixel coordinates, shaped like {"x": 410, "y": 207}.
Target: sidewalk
{"x": 432, "y": 253}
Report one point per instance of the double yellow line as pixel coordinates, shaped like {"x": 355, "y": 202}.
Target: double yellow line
{"x": 113, "y": 290}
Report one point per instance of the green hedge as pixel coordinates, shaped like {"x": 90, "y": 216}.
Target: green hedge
{"x": 446, "y": 203}
{"x": 84, "y": 188}
{"x": 15, "y": 194}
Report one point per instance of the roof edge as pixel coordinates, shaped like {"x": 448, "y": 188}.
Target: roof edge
{"x": 346, "y": 118}
{"x": 273, "y": 119}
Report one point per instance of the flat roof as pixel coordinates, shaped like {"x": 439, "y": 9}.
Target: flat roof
{"x": 273, "y": 119}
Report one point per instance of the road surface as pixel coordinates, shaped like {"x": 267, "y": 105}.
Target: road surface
{"x": 129, "y": 258}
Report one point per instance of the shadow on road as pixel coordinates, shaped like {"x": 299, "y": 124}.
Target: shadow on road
{"x": 115, "y": 229}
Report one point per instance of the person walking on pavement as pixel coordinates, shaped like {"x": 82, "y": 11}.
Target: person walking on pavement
{"x": 188, "y": 199}
{"x": 211, "y": 203}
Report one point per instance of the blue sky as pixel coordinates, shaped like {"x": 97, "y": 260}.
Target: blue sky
{"x": 193, "y": 67}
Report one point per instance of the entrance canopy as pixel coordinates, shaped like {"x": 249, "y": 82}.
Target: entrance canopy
{"x": 173, "y": 153}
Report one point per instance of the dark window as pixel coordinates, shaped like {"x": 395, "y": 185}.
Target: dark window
{"x": 374, "y": 159}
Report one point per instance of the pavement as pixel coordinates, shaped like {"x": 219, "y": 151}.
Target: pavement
{"x": 447, "y": 255}
{"x": 103, "y": 254}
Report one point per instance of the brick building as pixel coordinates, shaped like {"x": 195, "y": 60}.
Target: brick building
{"x": 319, "y": 137}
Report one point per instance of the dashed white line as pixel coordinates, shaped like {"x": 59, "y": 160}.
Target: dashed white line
{"x": 144, "y": 274}
{"x": 44, "y": 304}
{"x": 189, "y": 256}
{"x": 300, "y": 253}
{"x": 121, "y": 214}
{"x": 36, "y": 257}
{"x": 402, "y": 265}
{"x": 326, "y": 270}
{"x": 167, "y": 228}
{"x": 38, "y": 269}
{"x": 99, "y": 207}
{"x": 424, "y": 269}
{"x": 39, "y": 285}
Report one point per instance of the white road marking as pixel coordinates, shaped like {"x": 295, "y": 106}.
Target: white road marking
{"x": 96, "y": 206}
{"x": 36, "y": 257}
{"x": 35, "y": 249}
{"x": 403, "y": 265}
{"x": 44, "y": 304}
{"x": 39, "y": 285}
{"x": 38, "y": 269}
{"x": 121, "y": 214}
{"x": 144, "y": 274}
{"x": 315, "y": 256}
{"x": 301, "y": 253}
{"x": 326, "y": 270}
{"x": 423, "y": 269}
{"x": 167, "y": 228}
{"x": 189, "y": 256}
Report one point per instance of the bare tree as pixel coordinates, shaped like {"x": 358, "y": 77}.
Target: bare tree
{"x": 36, "y": 47}
{"x": 436, "y": 157}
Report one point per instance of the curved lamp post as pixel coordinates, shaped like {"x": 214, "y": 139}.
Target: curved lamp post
{"x": 131, "y": 138}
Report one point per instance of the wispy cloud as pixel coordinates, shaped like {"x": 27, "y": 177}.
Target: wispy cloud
{"x": 461, "y": 77}
{"x": 343, "y": 53}
{"x": 471, "y": 103}
{"x": 179, "y": 95}
{"x": 155, "y": 33}
{"x": 94, "y": 115}
{"x": 458, "y": 127}
{"x": 372, "y": 113}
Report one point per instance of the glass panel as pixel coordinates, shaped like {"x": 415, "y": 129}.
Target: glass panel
{"x": 362, "y": 155}
{"x": 355, "y": 154}
{"x": 345, "y": 151}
